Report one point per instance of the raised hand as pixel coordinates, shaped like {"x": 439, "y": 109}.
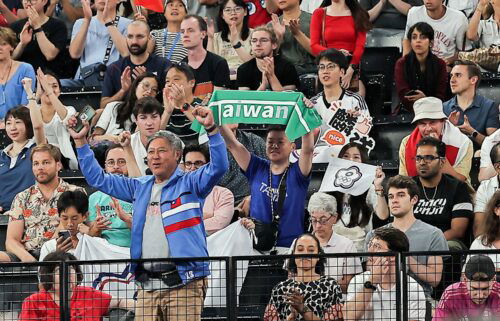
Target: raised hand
{"x": 33, "y": 17}
{"x": 379, "y": 177}
{"x": 44, "y": 84}
{"x": 139, "y": 70}
{"x": 234, "y": 35}
{"x": 87, "y": 11}
{"x": 177, "y": 95}
{"x": 204, "y": 116}
{"x": 210, "y": 27}
{"x": 100, "y": 224}
{"x": 126, "y": 217}
{"x": 26, "y": 34}
{"x": 27, "y": 83}
{"x": 278, "y": 26}
{"x": 126, "y": 79}
{"x": 466, "y": 127}
{"x": 72, "y": 121}
{"x": 294, "y": 26}
{"x": 454, "y": 116}
{"x": 124, "y": 138}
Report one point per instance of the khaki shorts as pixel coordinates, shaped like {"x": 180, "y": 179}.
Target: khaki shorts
{"x": 182, "y": 304}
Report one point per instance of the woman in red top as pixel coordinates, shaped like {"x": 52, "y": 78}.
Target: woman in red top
{"x": 85, "y": 303}
{"x": 344, "y": 28}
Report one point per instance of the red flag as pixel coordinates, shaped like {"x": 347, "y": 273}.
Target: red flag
{"x": 155, "y": 5}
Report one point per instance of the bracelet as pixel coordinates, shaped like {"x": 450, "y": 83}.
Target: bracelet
{"x": 237, "y": 45}
{"x": 37, "y": 30}
{"x": 109, "y": 24}
{"x": 211, "y": 128}
{"x": 32, "y": 98}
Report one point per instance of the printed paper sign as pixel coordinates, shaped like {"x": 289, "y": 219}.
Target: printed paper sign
{"x": 347, "y": 177}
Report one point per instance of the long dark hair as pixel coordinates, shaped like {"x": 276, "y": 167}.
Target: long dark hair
{"x": 357, "y": 203}
{"x": 412, "y": 66}
{"x": 320, "y": 265}
{"x": 490, "y": 230}
{"x": 126, "y": 108}
{"x": 224, "y": 28}
{"x": 360, "y": 15}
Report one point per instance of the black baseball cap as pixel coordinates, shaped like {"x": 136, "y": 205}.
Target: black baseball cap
{"x": 480, "y": 264}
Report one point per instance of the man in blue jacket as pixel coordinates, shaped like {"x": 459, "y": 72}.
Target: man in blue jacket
{"x": 167, "y": 219}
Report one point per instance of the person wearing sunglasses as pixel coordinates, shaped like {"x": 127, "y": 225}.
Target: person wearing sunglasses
{"x": 444, "y": 201}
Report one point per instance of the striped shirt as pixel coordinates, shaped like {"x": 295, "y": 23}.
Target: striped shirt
{"x": 180, "y": 125}
{"x": 164, "y": 40}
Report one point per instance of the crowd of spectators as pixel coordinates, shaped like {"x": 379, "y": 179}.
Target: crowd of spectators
{"x": 156, "y": 82}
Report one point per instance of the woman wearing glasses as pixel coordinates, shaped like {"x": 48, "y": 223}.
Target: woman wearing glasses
{"x": 233, "y": 41}
{"x": 117, "y": 115}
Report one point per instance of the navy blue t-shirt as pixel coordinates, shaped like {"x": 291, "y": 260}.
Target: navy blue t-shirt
{"x": 16, "y": 179}
{"x": 292, "y": 218}
{"x": 112, "y": 84}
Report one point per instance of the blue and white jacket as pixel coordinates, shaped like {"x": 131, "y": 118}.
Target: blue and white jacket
{"x": 181, "y": 204}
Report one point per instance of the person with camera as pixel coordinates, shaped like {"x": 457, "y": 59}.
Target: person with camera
{"x": 97, "y": 41}
{"x": 41, "y": 38}
{"x": 167, "y": 219}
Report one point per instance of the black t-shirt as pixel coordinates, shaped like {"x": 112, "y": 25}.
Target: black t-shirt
{"x": 180, "y": 125}
{"x": 13, "y": 4}
{"x": 449, "y": 201}
{"x": 214, "y": 71}
{"x": 390, "y": 17}
{"x": 56, "y": 33}
{"x": 250, "y": 76}
{"x": 112, "y": 84}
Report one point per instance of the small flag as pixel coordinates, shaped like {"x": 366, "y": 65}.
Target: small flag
{"x": 155, "y": 5}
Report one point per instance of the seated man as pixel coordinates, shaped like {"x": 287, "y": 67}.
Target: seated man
{"x": 476, "y": 297}
{"x": 372, "y": 295}
{"x": 267, "y": 177}
{"x": 431, "y": 121}
{"x": 444, "y": 201}
{"x": 72, "y": 207}
{"x": 294, "y": 46}
{"x": 97, "y": 40}
{"x": 121, "y": 73}
{"x": 449, "y": 25}
{"x": 33, "y": 215}
{"x": 234, "y": 179}
{"x": 110, "y": 218}
{"x": 486, "y": 190}
{"x": 218, "y": 208}
{"x": 41, "y": 38}
{"x": 476, "y": 116}
{"x": 147, "y": 112}
{"x": 267, "y": 71}
{"x": 426, "y": 270}
{"x": 390, "y": 14}
{"x": 179, "y": 102}
{"x": 322, "y": 209}
{"x": 211, "y": 72}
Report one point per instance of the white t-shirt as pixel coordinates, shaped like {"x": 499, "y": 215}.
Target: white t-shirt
{"x": 107, "y": 121}
{"x": 466, "y": 6}
{"x": 486, "y": 147}
{"x": 478, "y": 245}
{"x": 310, "y": 5}
{"x": 337, "y": 267}
{"x": 57, "y": 134}
{"x": 489, "y": 33}
{"x": 449, "y": 31}
{"x": 383, "y": 305}
{"x": 140, "y": 152}
{"x": 51, "y": 246}
{"x": 485, "y": 192}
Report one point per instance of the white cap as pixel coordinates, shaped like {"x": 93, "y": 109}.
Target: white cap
{"x": 428, "y": 108}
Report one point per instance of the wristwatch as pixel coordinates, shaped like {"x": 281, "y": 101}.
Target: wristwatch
{"x": 37, "y": 30}
{"x": 237, "y": 45}
{"x": 109, "y": 24}
{"x": 370, "y": 286}
{"x": 354, "y": 67}
{"x": 474, "y": 134}
{"x": 185, "y": 107}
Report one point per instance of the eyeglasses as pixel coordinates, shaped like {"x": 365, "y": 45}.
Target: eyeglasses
{"x": 196, "y": 164}
{"x": 426, "y": 158}
{"x": 231, "y": 10}
{"x": 328, "y": 67}
{"x": 321, "y": 221}
{"x": 148, "y": 87}
{"x": 376, "y": 247}
{"x": 111, "y": 163}
{"x": 261, "y": 40}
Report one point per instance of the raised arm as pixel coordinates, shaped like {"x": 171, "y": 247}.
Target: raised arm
{"x": 237, "y": 149}
{"x": 35, "y": 113}
{"x": 77, "y": 43}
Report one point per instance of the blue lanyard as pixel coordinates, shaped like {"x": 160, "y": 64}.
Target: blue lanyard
{"x": 171, "y": 51}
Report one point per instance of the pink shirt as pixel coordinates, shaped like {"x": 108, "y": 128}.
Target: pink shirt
{"x": 218, "y": 209}
{"x": 456, "y": 304}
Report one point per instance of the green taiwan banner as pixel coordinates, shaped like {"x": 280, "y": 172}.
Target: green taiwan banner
{"x": 263, "y": 107}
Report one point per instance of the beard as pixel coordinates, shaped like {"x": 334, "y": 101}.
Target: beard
{"x": 137, "y": 50}
{"x": 47, "y": 179}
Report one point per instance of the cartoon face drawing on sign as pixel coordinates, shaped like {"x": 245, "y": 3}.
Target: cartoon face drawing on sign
{"x": 346, "y": 177}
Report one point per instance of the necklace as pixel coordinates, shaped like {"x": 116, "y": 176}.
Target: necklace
{"x": 425, "y": 194}
{"x": 4, "y": 80}
{"x": 271, "y": 192}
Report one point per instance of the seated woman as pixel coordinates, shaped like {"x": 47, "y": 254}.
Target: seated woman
{"x": 117, "y": 115}
{"x": 12, "y": 72}
{"x": 233, "y": 41}
{"x": 420, "y": 73}
{"x": 15, "y": 160}
{"x": 355, "y": 212}
{"x": 54, "y": 116}
{"x": 306, "y": 294}
{"x": 85, "y": 303}
{"x": 489, "y": 238}
{"x": 485, "y": 31}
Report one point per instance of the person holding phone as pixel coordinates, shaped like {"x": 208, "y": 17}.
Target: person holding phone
{"x": 420, "y": 73}
{"x": 72, "y": 207}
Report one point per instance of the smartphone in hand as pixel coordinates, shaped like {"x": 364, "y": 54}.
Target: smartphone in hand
{"x": 86, "y": 114}
{"x": 64, "y": 234}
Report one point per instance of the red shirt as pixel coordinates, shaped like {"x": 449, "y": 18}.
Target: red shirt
{"x": 86, "y": 304}
{"x": 340, "y": 33}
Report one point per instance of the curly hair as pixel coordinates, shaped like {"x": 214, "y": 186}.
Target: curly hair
{"x": 490, "y": 229}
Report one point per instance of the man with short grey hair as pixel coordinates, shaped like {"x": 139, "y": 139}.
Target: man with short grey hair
{"x": 167, "y": 219}
{"x": 322, "y": 209}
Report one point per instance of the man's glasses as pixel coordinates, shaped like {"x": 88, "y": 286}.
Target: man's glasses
{"x": 328, "y": 67}
{"x": 111, "y": 162}
{"x": 426, "y": 158}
